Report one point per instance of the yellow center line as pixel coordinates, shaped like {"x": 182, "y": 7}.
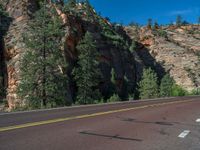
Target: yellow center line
{"x": 32, "y": 124}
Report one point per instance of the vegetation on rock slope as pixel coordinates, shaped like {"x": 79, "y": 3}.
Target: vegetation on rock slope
{"x": 43, "y": 77}
{"x": 78, "y": 57}
{"x": 87, "y": 74}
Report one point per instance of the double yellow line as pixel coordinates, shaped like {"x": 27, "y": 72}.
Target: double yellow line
{"x": 26, "y": 125}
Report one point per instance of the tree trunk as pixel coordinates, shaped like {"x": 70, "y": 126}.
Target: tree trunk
{"x": 44, "y": 92}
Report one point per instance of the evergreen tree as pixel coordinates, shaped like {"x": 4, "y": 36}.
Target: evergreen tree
{"x": 87, "y": 2}
{"x": 109, "y": 88}
{"x": 148, "y": 86}
{"x": 43, "y": 77}
{"x": 134, "y": 24}
{"x": 113, "y": 76}
{"x": 89, "y": 11}
{"x": 179, "y": 20}
{"x": 2, "y": 11}
{"x": 185, "y": 23}
{"x": 60, "y": 2}
{"x": 166, "y": 86}
{"x": 112, "y": 88}
{"x": 156, "y": 25}
{"x": 71, "y": 3}
{"x": 69, "y": 6}
{"x": 86, "y": 74}
{"x": 133, "y": 46}
{"x": 149, "y": 23}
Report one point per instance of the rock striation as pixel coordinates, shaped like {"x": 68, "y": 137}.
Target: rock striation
{"x": 113, "y": 57}
{"x": 171, "y": 49}
{"x": 19, "y": 13}
{"x": 167, "y": 49}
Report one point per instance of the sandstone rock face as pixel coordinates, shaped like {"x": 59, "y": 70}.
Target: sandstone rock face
{"x": 177, "y": 53}
{"x": 20, "y": 12}
{"x": 118, "y": 58}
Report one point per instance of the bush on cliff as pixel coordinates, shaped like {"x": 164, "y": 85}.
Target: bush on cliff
{"x": 148, "y": 86}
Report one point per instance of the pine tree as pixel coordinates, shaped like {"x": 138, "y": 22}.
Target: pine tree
{"x": 166, "y": 86}
{"x": 86, "y": 74}
{"x": 133, "y": 46}
{"x": 148, "y": 86}
{"x": 179, "y": 20}
{"x": 43, "y": 77}
{"x": 2, "y": 11}
{"x": 60, "y": 2}
{"x": 112, "y": 88}
{"x": 87, "y": 2}
{"x": 69, "y": 7}
{"x": 113, "y": 76}
{"x": 71, "y": 3}
{"x": 149, "y": 23}
{"x": 156, "y": 25}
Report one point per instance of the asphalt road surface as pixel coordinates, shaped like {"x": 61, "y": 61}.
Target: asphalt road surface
{"x": 165, "y": 124}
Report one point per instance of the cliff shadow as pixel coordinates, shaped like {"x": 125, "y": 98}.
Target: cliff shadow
{"x": 150, "y": 61}
{"x": 5, "y": 22}
{"x": 111, "y": 57}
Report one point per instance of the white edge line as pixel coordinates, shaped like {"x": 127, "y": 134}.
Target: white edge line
{"x": 184, "y": 134}
{"x": 198, "y": 120}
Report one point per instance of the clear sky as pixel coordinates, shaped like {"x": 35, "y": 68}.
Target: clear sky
{"x": 163, "y": 11}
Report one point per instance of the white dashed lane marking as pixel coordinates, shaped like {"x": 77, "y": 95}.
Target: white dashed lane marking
{"x": 184, "y": 134}
{"x": 198, "y": 120}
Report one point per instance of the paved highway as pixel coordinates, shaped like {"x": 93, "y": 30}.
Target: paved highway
{"x": 164, "y": 124}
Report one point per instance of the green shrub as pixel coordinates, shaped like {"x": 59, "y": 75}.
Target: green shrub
{"x": 195, "y": 92}
{"x": 114, "y": 98}
{"x": 133, "y": 47}
{"x": 162, "y": 33}
{"x": 131, "y": 97}
{"x": 101, "y": 101}
{"x": 178, "y": 91}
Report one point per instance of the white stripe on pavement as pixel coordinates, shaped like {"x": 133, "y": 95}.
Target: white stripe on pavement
{"x": 184, "y": 134}
{"x": 198, "y": 120}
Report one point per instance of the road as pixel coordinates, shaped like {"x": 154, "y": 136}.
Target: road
{"x": 164, "y": 124}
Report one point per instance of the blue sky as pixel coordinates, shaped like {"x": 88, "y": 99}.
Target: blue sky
{"x": 163, "y": 11}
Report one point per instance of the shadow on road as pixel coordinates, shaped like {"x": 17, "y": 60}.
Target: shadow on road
{"x": 164, "y": 123}
{"x": 110, "y": 136}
